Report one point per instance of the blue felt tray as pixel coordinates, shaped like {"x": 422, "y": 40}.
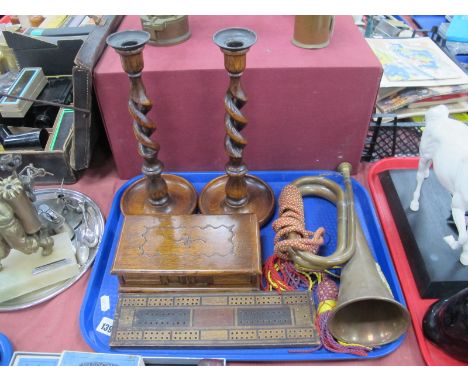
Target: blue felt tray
{"x": 319, "y": 212}
{"x": 6, "y": 350}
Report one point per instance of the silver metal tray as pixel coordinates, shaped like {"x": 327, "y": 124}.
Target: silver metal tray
{"x": 96, "y": 221}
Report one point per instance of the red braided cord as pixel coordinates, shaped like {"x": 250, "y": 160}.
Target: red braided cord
{"x": 291, "y": 221}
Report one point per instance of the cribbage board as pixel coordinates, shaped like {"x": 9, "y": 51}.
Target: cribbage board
{"x": 253, "y": 319}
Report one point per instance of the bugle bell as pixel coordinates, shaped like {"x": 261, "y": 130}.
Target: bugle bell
{"x": 366, "y": 312}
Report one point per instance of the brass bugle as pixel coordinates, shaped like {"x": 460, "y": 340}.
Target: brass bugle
{"x": 366, "y": 312}
{"x": 346, "y": 217}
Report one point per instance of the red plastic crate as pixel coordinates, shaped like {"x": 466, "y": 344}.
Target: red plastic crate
{"x": 416, "y": 305}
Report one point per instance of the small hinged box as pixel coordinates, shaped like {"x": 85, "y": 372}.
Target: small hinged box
{"x": 29, "y": 84}
{"x": 188, "y": 253}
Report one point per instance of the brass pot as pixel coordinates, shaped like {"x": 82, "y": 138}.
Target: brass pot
{"x": 166, "y": 30}
{"x": 313, "y": 31}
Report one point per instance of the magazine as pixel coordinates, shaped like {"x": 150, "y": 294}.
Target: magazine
{"x": 415, "y": 62}
{"x": 459, "y": 107}
{"x": 387, "y": 92}
{"x": 440, "y": 100}
{"x": 408, "y": 96}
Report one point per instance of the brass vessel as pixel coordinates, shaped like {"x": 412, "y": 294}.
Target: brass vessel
{"x": 166, "y": 30}
{"x": 313, "y": 31}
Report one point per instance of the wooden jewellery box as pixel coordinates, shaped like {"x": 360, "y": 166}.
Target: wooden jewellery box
{"x": 188, "y": 253}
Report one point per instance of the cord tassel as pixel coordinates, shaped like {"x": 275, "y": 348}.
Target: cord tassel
{"x": 327, "y": 296}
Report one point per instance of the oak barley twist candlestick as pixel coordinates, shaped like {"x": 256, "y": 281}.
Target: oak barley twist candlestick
{"x": 236, "y": 192}
{"x": 155, "y": 193}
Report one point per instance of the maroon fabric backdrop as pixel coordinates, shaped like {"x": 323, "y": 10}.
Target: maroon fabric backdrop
{"x": 307, "y": 109}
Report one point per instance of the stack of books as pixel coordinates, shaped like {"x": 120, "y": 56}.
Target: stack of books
{"x": 418, "y": 75}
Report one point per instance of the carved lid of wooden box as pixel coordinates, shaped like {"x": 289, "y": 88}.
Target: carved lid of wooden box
{"x": 188, "y": 251}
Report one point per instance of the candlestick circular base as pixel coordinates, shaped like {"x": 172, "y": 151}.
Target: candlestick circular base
{"x": 261, "y": 200}
{"x": 182, "y": 198}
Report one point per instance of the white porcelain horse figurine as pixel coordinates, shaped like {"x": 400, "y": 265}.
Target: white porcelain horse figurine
{"x": 444, "y": 143}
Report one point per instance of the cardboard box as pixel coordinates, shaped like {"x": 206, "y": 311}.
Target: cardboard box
{"x": 75, "y": 358}
{"x": 21, "y": 358}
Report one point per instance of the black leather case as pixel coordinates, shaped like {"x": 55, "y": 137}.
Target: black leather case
{"x": 56, "y": 59}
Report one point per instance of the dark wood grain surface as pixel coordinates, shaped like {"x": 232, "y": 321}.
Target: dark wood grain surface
{"x": 255, "y": 319}
{"x": 189, "y": 251}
